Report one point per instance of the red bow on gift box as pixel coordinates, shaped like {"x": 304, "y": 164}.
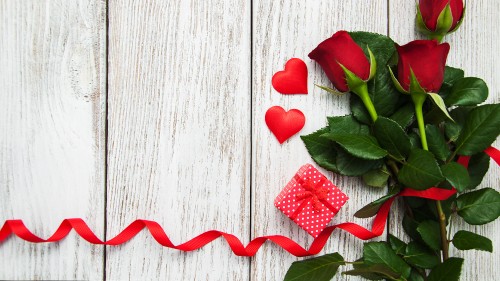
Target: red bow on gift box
{"x": 315, "y": 193}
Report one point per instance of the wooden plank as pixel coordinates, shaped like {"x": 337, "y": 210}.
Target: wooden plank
{"x": 282, "y": 30}
{"x": 179, "y": 134}
{"x": 474, "y": 49}
{"x": 52, "y": 118}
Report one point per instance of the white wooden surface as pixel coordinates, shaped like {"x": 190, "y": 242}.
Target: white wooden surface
{"x": 188, "y": 86}
{"x": 179, "y": 134}
{"x": 52, "y": 117}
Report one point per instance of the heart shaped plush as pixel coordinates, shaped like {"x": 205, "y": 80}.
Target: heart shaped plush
{"x": 284, "y": 124}
{"x": 292, "y": 80}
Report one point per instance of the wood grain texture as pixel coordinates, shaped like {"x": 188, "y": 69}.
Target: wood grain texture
{"x": 187, "y": 142}
{"x": 282, "y": 30}
{"x": 52, "y": 118}
{"x": 179, "y": 134}
{"x": 474, "y": 48}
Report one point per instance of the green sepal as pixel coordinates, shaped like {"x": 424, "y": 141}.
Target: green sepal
{"x": 415, "y": 87}
{"x": 330, "y": 90}
{"x": 459, "y": 23}
{"x": 444, "y": 21}
{"x": 396, "y": 82}
{"x": 360, "y": 88}
{"x": 421, "y": 24}
{"x": 373, "y": 64}
{"x": 438, "y": 100}
{"x": 353, "y": 81}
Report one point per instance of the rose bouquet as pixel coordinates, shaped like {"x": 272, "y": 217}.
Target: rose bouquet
{"x": 417, "y": 124}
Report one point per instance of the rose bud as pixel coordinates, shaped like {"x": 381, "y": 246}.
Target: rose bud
{"x": 421, "y": 66}
{"x": 424, "y": 60}
{"x": 347, "y": 66}
{"x": 338, "y": 53}
{"x": 436, "y": 18}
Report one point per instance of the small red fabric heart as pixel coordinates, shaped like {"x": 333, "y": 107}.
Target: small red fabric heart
{"x": 292, "y": 80}
{"x": 284, "y": 124}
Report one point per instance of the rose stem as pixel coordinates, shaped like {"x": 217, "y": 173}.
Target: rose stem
{"x": 362, "y": 92}
{"x": 438, "y": 38}
{"x": 442, "y": 227}
{"x": 418, "y": 100}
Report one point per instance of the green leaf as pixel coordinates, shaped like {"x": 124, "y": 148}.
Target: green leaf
{"x": 381, "y": 253}
{"x": 410, "y": 226}
{"x": 456, "y": 175}
{"x": 321, "y": 268}
{"x": 436, "y": 142}
{"x": 322, "y": 150}
{"x": 480, "y": 130}
{"x": 375, "y": 270}
{"x": 467, "y": 91}
{"x": 362, "y": 146}
{"x": 479, "y": 207}
{"x": 438, "y": 100}
{"x": 452, "y": 129}
{"x": 377, "y": 177}
{"x": 449, "y": 270}
{"x": 382, "y": 92}
{"x": 349, "y": 165}
{"x": 415, "y": 140}
{"x": 421, "y": 171}
{"x": 346, "y": 125}
{"x": 419, "y": 256}
{"x": 430, "y": 233}
{"x": 392, "y": 138}
{"x": 371, "y": 209}
{"x": 415, "y": 276}
{"x": 465, "y": 240}
{"x": 398, "y": 246}
{"x": 404, "y": 116}
{"x": 368, "y": 275}
{"x": 328, "y": 155}
{"x": 478, "y": 167}
{"x": 451, "y": 75}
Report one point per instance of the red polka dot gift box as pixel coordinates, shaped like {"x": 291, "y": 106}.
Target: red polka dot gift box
{"x": 310, "y": 200}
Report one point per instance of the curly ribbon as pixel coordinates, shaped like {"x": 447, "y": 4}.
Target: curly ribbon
{"x": 18, "y": 228}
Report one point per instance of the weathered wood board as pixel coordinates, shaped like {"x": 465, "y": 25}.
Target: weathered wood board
{"x": 118, "y": 110}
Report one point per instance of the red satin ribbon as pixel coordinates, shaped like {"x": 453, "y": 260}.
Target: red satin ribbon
{"x": 18, "y": 228}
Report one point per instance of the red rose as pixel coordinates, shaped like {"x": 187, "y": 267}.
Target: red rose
{"x": 427, "y": 59}
{"x": 338, "y": 50}
{"x": 431, "y": 9}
